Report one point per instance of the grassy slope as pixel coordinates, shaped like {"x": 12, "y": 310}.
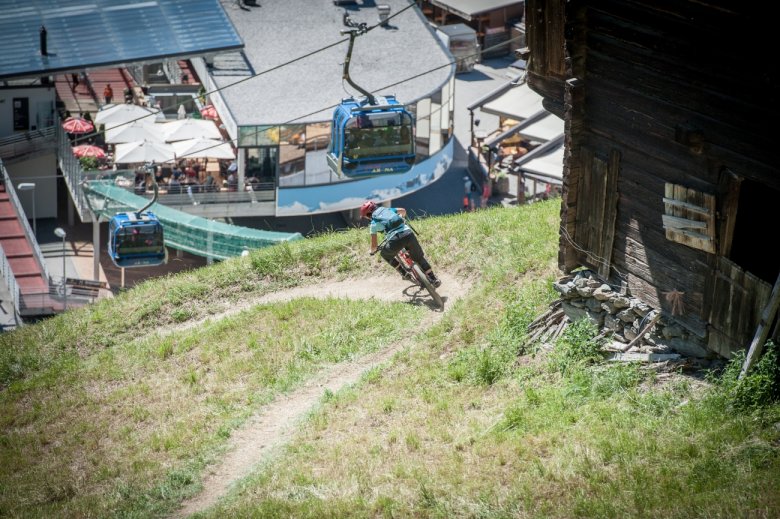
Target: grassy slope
{"x": 103, "y": 415}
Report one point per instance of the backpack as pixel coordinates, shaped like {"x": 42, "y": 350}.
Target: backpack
{"x": 388, "y": 217}
{"x": 473, "y": 187}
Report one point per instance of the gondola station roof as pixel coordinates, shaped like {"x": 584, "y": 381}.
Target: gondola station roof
{"x": 41, "y": 37}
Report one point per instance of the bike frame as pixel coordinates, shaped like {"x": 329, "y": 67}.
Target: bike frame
{"x": 406, "y": 260}
{"x": 415, "y": 273}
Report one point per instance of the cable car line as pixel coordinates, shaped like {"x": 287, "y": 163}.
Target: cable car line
{"x": 331, "y": 107}
{"x": 136, "y": 238}
{"x": 263, "y": 72}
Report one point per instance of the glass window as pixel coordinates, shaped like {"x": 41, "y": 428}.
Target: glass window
{"x": 292, "y": 134}
{"x": 382, "y": 134}
{"x": 317, "y": 136}
{"x": 257, "y": 136}
{"x": 292, "y": 164}
{"x": 247, "y": 136}
{"x": 261, "y": 165}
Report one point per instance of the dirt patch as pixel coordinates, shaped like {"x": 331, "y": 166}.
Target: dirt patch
{"x": 384, "y": 288}
{"x": 275, "y": 424}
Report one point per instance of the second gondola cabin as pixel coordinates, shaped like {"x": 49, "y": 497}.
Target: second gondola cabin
{"x": 136, "y": 240}
{"x": 371, "y": 139}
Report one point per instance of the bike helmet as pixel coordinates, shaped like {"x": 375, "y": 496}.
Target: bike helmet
{"x": 367, "y": 209}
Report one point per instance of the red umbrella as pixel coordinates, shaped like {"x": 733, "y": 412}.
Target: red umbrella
{"x": 89, "y": 150}
{"x": 209, "y": 112}
{"x": 77, "y": 125}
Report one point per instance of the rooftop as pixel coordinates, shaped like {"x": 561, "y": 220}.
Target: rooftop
{"x": 278, "y": 32}
{"x": 101, "y": 33}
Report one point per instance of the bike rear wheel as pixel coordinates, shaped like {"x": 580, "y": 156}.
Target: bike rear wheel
{"x": 420, "y": 275}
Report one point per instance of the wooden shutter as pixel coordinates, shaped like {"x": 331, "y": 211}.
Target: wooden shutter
{"x": 689, "y": 217}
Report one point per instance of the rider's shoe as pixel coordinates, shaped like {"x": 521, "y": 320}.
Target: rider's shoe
{"x": 436, "y": 282}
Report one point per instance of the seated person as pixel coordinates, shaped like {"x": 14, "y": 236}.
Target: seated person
{"x": 190, "y": 172}
{"x": 210, "y": 185}
{"x": 174, "y": 184}
{"x": 232, "y": 182}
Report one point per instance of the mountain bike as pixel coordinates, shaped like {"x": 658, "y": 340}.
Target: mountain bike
{"x": 414, "y": 273}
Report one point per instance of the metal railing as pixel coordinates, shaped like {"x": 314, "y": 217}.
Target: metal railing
{"x": 27, "y": 142}
{"x": 28, "y": 232}
{"x": 53, "y": 300}
{"x": 187, "y": 194}
{"x": 7, "y": 276}
{"x": 72, "y": 174}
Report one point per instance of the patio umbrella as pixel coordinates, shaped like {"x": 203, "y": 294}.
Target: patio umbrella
{"x": 204, "y": 149}
{"x": 184, "y": 129}
{"x": 209, "y": 112}
{"x": 112, "y": 115}
{"x": 143, "y": 151}
{"x": 89, "y": 150}
{"x": 137, "y": 131}
{"x": 77, "y": 125}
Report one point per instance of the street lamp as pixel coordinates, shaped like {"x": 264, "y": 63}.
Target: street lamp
{"x": 60, "y": 233}
{"x": 30, "y": 186}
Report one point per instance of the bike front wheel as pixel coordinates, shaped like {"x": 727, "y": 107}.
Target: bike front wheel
{"x": 423, "y": 279}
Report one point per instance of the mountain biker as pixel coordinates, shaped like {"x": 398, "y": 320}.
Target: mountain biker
{"x": 396, "y": 237}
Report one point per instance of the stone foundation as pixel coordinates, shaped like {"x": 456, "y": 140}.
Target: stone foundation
{"x": 585, "y": 296}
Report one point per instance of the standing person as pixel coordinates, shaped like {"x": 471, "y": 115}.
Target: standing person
{"x": 487, "y": 190}
{"x": 470, "y": 194}
{"x": 75, "y": 78}
{"x": 398, "y": 235}
{"x": 108, "y": 93}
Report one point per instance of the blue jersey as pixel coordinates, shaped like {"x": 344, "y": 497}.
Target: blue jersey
{"x": 383, "y": 220}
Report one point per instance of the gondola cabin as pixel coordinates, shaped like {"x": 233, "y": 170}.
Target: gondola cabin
{"x": 136, "y": 240}
{"x": 369, "y": 140}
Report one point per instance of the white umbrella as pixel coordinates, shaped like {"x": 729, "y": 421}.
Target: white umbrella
{"x": 137, "y": 131}
{"x": 184, "y": 129}
{"x": 203, "y": 149}
{"x": 111, "y": 115}
{"x": 143, "y": 151}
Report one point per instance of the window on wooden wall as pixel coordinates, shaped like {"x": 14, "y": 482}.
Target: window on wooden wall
{"x": 689, "y": 217}
{"x": 754, "y": 228}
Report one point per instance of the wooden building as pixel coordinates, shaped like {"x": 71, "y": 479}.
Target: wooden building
{"x": 671, "y": 168}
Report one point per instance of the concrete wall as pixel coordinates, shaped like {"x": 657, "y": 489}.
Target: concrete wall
{"x": 40, "y": 108}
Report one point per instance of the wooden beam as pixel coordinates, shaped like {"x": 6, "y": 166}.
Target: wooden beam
{"x": 757, "y": 346}
{"x": 643, "y": 332}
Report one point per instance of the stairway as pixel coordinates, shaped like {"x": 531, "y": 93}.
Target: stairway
{"x": 19, "y": 251}
{"x": 76, "y": 100}
{"x": 88, "y": 95}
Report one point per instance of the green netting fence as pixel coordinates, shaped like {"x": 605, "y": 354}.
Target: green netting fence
{"x": 183, "y": 231}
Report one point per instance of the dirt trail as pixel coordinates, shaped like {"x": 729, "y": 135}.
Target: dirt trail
{"x": 274, "y": 425}
{"x": 383, "y": 288}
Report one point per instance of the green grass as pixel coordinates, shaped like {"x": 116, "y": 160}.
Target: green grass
{"x": 108, "y": 411}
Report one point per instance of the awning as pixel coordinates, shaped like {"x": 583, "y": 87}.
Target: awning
{"x": 103, "y": 33}
{"x": 545, "y": 167}
{"x": 470, "y": 8}
{"x": 545, "y": 129}
{"x": 493, "y": 94}
{"x": 541, "y": 126}
{"x": 519, "y": 102}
